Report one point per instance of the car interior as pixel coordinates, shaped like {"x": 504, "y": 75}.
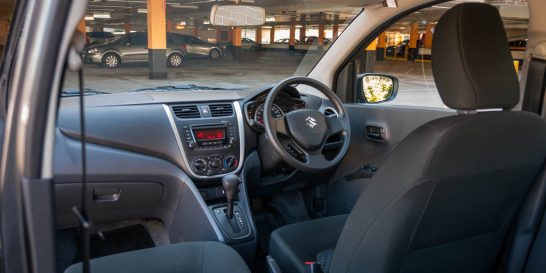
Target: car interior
{"x": 339, "y": 169}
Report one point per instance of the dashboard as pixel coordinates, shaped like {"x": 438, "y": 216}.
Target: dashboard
{"x": 288, "y": 100}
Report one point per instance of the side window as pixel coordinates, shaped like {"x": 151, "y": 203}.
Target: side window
{"x": 140, "y": 40}
{"x": 404, "y": 51}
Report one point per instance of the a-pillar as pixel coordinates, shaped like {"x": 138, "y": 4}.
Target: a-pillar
{"x": 335, "y": 28}
{"x": 412, "y": 45}
{"x": 381, "y": 45}
{"x": 303, "y": 29}
{"x": 272, "y": 35}
{"x": 157, "y": 39}
{"x": 236, "y": 41}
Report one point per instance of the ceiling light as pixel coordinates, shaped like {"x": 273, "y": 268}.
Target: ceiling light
{"x": 89, "y": 18}
{"x": 142, "y": 10}
{"x": 206, "y": 22}
{"x": 270, "y": 19}
{"x": 102, "y": 15}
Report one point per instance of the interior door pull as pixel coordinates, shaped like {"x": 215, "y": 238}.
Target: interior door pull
{"x": 376, "y": 133}
{"x": 107, "y": 194}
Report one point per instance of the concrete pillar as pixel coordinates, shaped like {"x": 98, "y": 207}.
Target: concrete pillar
{"x": 98, "y": 27}
{"x": 321, "y": 28}
{"x": 428, "y": 36}
{"x": 292, "y": 39}
{"x": 368, "y": 58}
{"x": 412, "y": 45}
{"x": 335, "y": 28}
{"x": 127, "y": 25}
{"x": 236, "y": 41}
{"x": 272, "y": 35}
{"x": 157, "y": 39}
{"x": 195, "y": 29}
{"x": 303, "y": 22}
{"x": 381, "y": 45}
{"x": 259, "y": 35}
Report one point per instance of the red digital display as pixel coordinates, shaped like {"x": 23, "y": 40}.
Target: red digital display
{"x": 209, "y": 134}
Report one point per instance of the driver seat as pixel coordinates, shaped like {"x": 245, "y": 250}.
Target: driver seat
{"x": 447, "y": 196}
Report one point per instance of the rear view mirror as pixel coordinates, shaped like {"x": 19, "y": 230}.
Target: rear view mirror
{"x": 237, "y": 15}
{"x": 376, "y": 88}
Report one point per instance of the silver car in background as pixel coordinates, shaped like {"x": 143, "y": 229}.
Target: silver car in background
{"x": 198, "y": 48}
{"x": 133, "y": 47}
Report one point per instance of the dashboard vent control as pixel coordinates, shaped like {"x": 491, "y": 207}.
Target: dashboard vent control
{"x": 221, "y": 110}
{"x": 186, "y": 111}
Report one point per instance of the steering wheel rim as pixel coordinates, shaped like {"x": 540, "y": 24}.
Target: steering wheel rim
{"x": 304, "y": 127}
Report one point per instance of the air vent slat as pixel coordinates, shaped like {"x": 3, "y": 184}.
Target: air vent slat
{"x": 221, "y": 110}
{"x": 186, "y": 111}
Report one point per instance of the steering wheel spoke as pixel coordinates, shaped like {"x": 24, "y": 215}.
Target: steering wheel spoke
{"x": 279, "y": 125}
{"x": 335, "y": 126}
{"x": 317, "y": 158}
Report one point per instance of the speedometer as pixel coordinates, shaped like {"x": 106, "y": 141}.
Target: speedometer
{"x": 276, "y": 112}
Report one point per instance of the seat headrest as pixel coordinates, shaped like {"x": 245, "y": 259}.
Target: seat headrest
{"x": 471, "y": 61}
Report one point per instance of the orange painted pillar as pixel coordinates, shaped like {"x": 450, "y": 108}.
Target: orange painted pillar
{"x": 381, "y": 45}
{"x": 218, "y": 34}
{"x": 292, "y": 40}
{"x": 428, "y": 36}
{"x": 127, "y": 25}
{"x": 335, "y": 28}
{"x": 272, "y": 35}
{"x": 169, "y": 26}
{"x": 157, "y": 39}
{"x": 411, "y": 50}
{"x": 236, "y": 41}
{"x": 259, "y": 35}
{"x": 303, "y": 21}
{"x": 321, "y": 34}
{"x": 81, "y": 26}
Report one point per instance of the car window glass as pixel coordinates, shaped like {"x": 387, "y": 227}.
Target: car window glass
{"x": 404, "y": 50}
{"x": 6, "y": 9}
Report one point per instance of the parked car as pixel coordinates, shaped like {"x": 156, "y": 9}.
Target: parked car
{"x": 313, "y": 40}
{"x": 99, "y": 37}
{"x": 133, "y": 47}
{"x": 398, "y": 50}
{"x": 250, "y": 45}
{"x": 285, "y": 41}
{"x": 198, "y": 48}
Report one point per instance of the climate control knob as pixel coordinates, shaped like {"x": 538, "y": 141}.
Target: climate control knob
{"x": 215, "y": 163}
{"x": 230, "y": 162}
{"x": 199, "y": 166}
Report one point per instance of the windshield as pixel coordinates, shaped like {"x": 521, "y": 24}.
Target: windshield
{"x": 197, "y": 55}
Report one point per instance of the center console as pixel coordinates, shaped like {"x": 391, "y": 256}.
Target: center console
{"x": 211, "y": 137}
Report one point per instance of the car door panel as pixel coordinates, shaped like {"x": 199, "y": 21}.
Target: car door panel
{"x": 398, "y": 122}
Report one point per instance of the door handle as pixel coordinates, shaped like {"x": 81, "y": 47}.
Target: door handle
{"x": 376, "y": 133}
{"x": 106, "y": 194}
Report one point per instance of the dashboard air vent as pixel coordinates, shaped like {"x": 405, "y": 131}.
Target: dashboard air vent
{"x": 186, "y": 111}
{"x": 330, "y": 112}
{"x": 221, "y": 110}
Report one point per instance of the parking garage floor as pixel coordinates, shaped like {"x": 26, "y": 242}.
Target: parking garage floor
{"x": 255, "y": 69}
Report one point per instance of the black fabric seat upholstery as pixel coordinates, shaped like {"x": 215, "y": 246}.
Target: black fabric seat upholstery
{"x": 448, "y": 195}
{"x": 191, "y": 257}
{"x": 294, "y": 244}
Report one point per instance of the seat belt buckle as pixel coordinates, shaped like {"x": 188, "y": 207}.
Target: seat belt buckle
{"x": 312, "y": 267}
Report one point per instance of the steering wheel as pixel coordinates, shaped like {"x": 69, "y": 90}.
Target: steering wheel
{"x": 306, "y": 129}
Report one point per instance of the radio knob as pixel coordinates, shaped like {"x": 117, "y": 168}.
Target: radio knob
{"x": 230, "y": 162}
{"x": 192, "y": 144}
{"x": 200, "y": 166}
{"x": 215, "y": 163}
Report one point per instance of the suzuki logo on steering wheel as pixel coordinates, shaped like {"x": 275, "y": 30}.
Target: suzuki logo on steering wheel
{"x": 311, "y": 122}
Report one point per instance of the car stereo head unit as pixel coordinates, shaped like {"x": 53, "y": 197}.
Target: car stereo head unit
{"x": 211, "y": 136}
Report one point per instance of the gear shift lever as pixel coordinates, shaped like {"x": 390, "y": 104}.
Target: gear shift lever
{"x": 230, "y": 183}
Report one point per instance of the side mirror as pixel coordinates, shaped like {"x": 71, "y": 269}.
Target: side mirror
{"x": 376, "y": 88}
{"x": 237, "y": 15}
